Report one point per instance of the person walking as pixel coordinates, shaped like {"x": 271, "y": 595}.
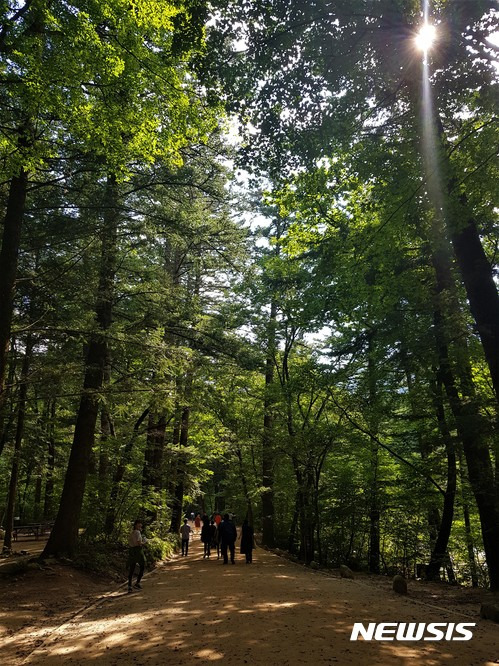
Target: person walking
{"x": 136, "y": 554}
{"x": 185, "y": 532}
{"x": 228, "y": 536}
{"x": 197, "y": 522}
{"x": 214, "y": 537}
{"x": 247, "y": 541}
{"x": 206, "y": 536}
{"x": 219, "y": 537}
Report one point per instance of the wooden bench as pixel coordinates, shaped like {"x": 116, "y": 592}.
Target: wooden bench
{"x": 35, "y": 529}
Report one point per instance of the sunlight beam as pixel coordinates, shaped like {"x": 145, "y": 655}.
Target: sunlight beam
{"x": 426, "y": 37}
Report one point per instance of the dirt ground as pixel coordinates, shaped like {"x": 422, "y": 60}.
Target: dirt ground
{"x": 33, "y": 604}
{"x": 195, "y": 611}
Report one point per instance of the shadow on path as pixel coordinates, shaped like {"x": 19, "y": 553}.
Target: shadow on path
{"x": 196, "y": 611}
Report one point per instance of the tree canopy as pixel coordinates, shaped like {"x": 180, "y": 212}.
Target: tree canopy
{"x": 301, "y": 325}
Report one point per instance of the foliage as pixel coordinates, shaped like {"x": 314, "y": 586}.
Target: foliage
{"x": 299, "y": 325}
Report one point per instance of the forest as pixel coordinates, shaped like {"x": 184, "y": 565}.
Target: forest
{"x": 249, "y": 263}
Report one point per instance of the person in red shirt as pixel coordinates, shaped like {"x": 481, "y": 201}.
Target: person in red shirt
{"x": 197, "y": 521}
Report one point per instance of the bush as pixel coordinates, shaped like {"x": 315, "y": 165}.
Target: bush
{"x": 101, "y": 557}
{"x": 157, "y": 549}
{"x": 110, "y": 557}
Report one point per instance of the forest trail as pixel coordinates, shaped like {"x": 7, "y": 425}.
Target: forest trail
{"x": 195, "y": 611}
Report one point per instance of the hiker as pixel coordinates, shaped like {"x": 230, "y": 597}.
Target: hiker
{"x": 247, "y": 541}
{"x": 228, "y": 536}
{"x": 136, "y": 554}
{"x": 218, "y": 519}
{"x": 218, "y": 537}
{"x": 213, "y": 536}
{"x": 206, "y": 536}
{"x": 185, "y": 532}
{"x": 197, "y": 522}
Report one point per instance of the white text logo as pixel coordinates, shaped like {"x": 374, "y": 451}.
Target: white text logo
{"x": 413, "y": 631}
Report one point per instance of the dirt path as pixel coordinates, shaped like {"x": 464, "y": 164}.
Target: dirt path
{"x": 195, "y": 611}
{"x": 29, "y": 544}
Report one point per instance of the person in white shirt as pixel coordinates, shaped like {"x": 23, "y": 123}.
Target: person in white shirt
{"x": 185, "y": 532}
{"x": 136, "y": 554}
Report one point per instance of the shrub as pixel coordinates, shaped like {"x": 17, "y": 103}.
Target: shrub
{"x": 157, "y": 549}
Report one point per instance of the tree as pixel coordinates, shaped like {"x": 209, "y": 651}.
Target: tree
{"x": 346, "y": 86}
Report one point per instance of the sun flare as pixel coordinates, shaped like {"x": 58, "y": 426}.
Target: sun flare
{"x": 426, "y": 36}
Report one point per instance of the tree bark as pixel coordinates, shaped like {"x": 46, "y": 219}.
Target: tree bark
{"x": 37, "y": 509}
{"x": 152, "y": 477}
{"x": 49, "y": 477}
{"x": 178, "y": 498}
{"x": 244, "y": 483}
{"x": 106, "y": 434}
{"x": 439, "y": 550}
{"x": 64, "y": 536}
{"x": 474, "y": 267}
{"x": 307, "y": 521}
{"x": 181, "y": 467}
{"x": 305, "y": 507}
{"x": 294, "y": 524}
{"x": 374, "y": 510}
{"x": 173, "y": 458}
{"x": 268, "y": 533}
{"x": 480, "y": 470}
{"x": 7, "y": 419}
{"x": 435, "y": 523}
{"x": 477, "y": 278}
{"x": 9, "y": 253}
{"x": 14, "y": 475}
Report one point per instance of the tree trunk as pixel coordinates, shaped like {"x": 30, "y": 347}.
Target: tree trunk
{"x": 439, "y": 550}
{"x": 480, "y": 470}
{"x": 21, "y": 414}
{"x": 49, "y": 477}
{"x": 106, "y": 434}
{"x": 152, "y": 477}
{"x": 305, "y": 511}
{"x": 294, "y": 524}
{"x": 474, "y": 267}
{"x": 434, "y": 520}
{"x": 181, "y": 467}
{"x": 310, "y": 519}
{"x": 178, "y": 499}
{"x": 318, "y": 539}
{"x": 174, "y": 457}
{"x": 7, "y": 420}
{"x": 307, "y": 526}
{"x": 466, "y": 412}
{"x": 64, "y": 536}
{"x": 268, "y": 535}
{"x": 9, "y": 253}
{"x": 244, "y": 483}
{"x": 37, "y": 509}
{"x": 148, "y": 471}
{"x": 470, "y": 546}
{"x": 476, "y": 270}
{"x": 374, "y": 511}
